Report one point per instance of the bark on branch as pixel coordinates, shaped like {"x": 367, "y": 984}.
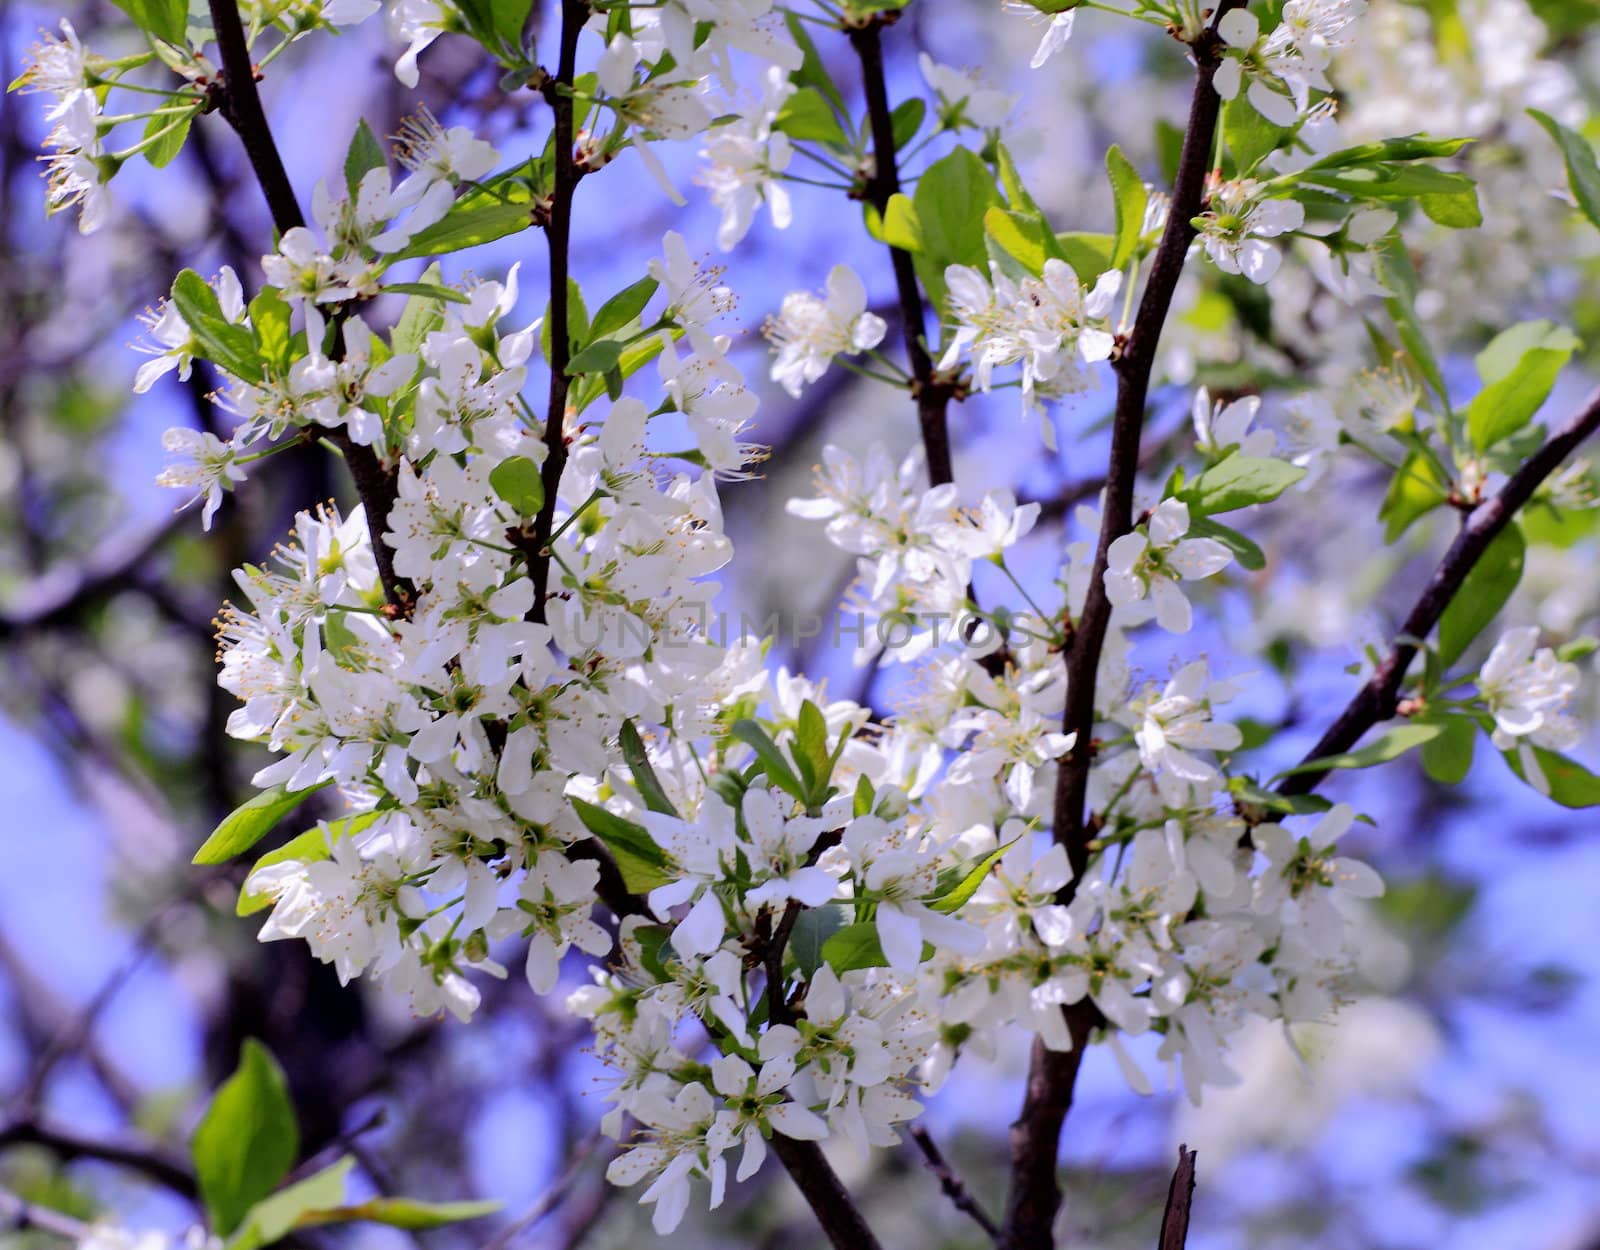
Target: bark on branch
{"x": 931, "y": 393}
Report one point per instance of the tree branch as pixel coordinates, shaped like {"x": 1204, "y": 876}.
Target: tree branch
{"x": 558, "y": 235}
{"x": 932, "y": 394}
{"x": 1377, "y": 699}
{"x": 1035, "y": 1193}
{"x": 145, "y": 1158}
{"x": 830, "y": 1201}
{"x": 19, "y": 1216}
{"x": 240, "y": 105}
{"x": 951, "y": 1184}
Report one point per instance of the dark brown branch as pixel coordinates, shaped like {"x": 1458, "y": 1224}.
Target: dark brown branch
{"x": 558, "y": 234}
{"x": 1180, "y": 1197}
{"x": 1035, "y": 1193}
{"x": 932, "y": 394}
{"x": 833, "y": 1204}
{"x": 951, "y": 1184}
{"x": 147, "y": 1159}
{"x": 240, "y": 105}
{"x": 1376, "y": 700}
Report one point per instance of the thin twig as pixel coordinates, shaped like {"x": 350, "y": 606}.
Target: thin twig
{"x": 953, "y": 1186}
{"x": 551, "y": 1198}
{"x": 1180, "y": 1197}
{"x": 833, "y": 1205}
{"x": 19, "y": 1216}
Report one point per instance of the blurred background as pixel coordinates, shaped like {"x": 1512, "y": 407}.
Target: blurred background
{"x": 1455, "y": 1105}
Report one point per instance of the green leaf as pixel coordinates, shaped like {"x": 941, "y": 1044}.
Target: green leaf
{"x": 1459, "y": 210}
{"x": 899, "y": 226}
{"x": 1583, "y": 173}
{"x": 309, "y": 847}
{"x": 771, "y": 756}
{"x": 812, "y": 71}
{"x": 274, "y": 1218}
{"x": 963, "y": 890}
{"x": 1011, "y": 182}
{"x": 1506, "y": 349}
{"x": 907, "y": 119}
{"x": 1391, "y": 746}
{"x": 811, "y": 747}
{"x": 1504, "y": 407}
{"x": 1129, "y": 194}
{"x": 363, "y": 156}
{"x": 1024, "y": 236}
{"x": 1088, "y": 254}
{"x": 164, "y": 150}
{"x": 644, "y": 773}
{"x": 1406, "y": 148}
{"x": 251, "y": 821}
{"x": 1569, "y": 782}
{"x": 643, "y": 864}
{"x": 215, "y": 337}
{"x": 812, "y": 929}
{"x": 165, "y": 19}
{"x": 517, "y": 481}
{"x": 473, "y": 220}
{"x": 269, "y": 320}
{"x": 425, "y": 290}
{"x": 1244, "y": 550}
{"x": 1483, "y": 593}
{"x": 807, "y": 115}
{"x": 1250, "y": 793}
{"x": 1238, "y": 482}
{"x": 1415, "y": 491}
{"x": 857, "y": 946}
{"x": 497, "y": 23}
{"x": 407, "y": 1213}
{"x": 1448, "y": 758}
{"x": 246, "y": 1141}
{"x": 951, "y": 198}
{"x": 599, "y": 357}
{"x": 420, "y": 318}
{"x": 622, "y": 309}
{"x": 1250, "y": 136}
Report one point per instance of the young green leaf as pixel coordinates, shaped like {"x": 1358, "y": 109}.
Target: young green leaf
{"x": 246, "y": 1141}
{"x": 165, "y": 19}
{"x": 1583, "y": 172}
{"x": 600, "y": 357}
{"x": 1130, "y": 197}
{"x": 812, "y": 929}
{"x": 1448, "y": 758}
{"x": 427, "y": 290}
{"x": 806, "y": 115}
{"x": 964, "y": 888}
{"x": 1415, "y": 491}
{"x": 1390, "y": 746}
{"x": 622, "y": 309}
{"x": 216, "y": 338}
{"x": 516, "y": 479}
{"x": 773, "y": 762}
{"x": 1238, "y": 482}
{"x": 1250, "y": 136}
{"x": 251, "y": 821}
{"x": 309, "y": 847}
{"x": 643, "y": 864}
{"x": 1504, "y": 407}
{"x": 645, "y": 779}
{"x": 1484, "y": 592}
{"x": 273, "y": 1218}
{"x": 364, "y": 155}
{"x": 1565, "y": 780}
